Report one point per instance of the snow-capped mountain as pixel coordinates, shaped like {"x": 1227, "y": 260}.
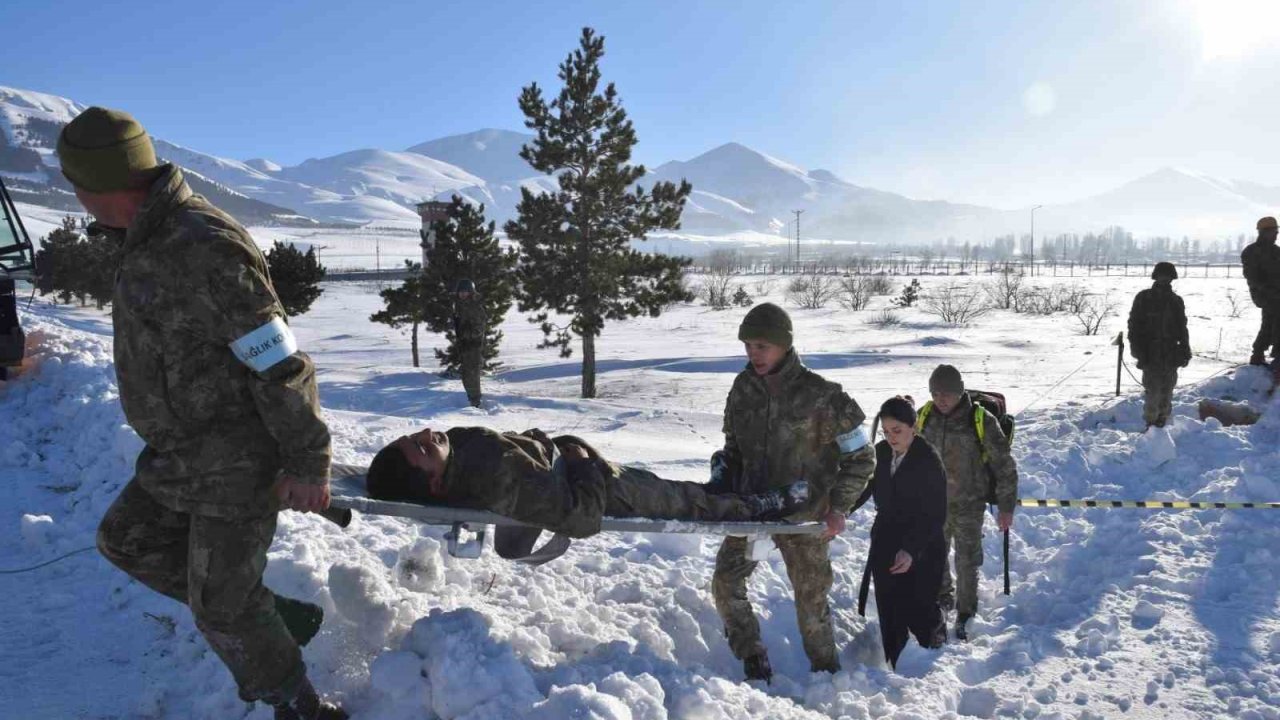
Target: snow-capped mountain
{"x": 736, "y": 189}
{"x": 1171, "y": 202}
{"x": 490, "y": 154}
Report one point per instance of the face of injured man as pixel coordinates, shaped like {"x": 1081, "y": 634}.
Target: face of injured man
{"x": 427, "y": 450}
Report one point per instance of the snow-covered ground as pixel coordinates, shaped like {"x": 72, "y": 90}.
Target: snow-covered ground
{"x": 1114, "y": 613}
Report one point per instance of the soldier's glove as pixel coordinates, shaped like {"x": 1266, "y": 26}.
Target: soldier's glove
{"x": 724, "y": 473}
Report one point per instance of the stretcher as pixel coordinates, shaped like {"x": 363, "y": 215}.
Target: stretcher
{"x": 513, "y": 539}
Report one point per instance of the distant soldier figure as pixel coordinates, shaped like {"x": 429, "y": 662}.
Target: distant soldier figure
{"x": 469, "y": 320}
{"x": 784, "y": 423}
{"x": 973, "y": 449}
{"x": 212, "y": 380}
{"x": 1158, "y": 341}
{"x": 1261, "y": 260}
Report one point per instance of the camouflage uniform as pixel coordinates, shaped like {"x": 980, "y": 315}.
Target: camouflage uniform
{"x": 211, "y": 380}
{"x": 788, "y": 426}
{"x": 955, "y": 438}
{"x": 468, "y": 332}
{"x": 511, "y": 474}
{"x": 1158, "y": 341}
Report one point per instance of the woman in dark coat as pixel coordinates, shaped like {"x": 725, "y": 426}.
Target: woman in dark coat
{"x": 908, "y": 548}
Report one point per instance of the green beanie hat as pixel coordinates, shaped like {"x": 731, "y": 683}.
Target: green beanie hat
{"x": 946, "y": 379}
{"x": 769, "y": 322}
{"x": 105, "y": 150}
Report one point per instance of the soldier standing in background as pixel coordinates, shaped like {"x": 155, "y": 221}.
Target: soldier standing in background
{"x": 784, "y": 423}
{"x": 469, "y": 326}
{"x": 1158, "y": 341}
{"x": 972, "y": 452}
{"x": 1261, "y": 260}
{"x": 211, "y": 379}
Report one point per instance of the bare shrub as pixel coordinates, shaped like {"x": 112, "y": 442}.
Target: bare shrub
{"x": 812, "y": 291}
{"x": 763, "y": 286}
{"x": 956, "y": 303}
{"x": 1235, "y": 303}
{"x": 717, "y": 286}
{"x": 855, "y": 292}
{"x": 1093, "y": 312}
{"x": 885, "y": 319}
{"x": 1005, "y": 290}
{"x": 879, "y": 284}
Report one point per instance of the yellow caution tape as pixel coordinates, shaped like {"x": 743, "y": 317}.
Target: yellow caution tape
{"x": 1151, "y": 504}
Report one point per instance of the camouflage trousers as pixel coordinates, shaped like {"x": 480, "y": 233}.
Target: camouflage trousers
{"x": 471, "y": 365}
{"x": 808, "y": 567}
{"x": 963, "y": 530}
{"x": 1159, "y": 384}
{"x": 636, "y": 492}
{"x": 214, "y": 566}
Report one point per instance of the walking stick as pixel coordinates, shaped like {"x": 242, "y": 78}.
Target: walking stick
{"x": 1006, "y": 562}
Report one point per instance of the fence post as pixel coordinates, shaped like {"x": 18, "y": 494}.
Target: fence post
{"x": 1119, "y": 343}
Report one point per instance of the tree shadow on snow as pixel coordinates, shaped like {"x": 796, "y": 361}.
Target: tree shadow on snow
{"x": 732, "y": 364}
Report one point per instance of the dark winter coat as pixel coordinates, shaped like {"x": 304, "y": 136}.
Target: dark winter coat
{"x": 911, "y": 509}
{"x": 469, "y": 319}
{"x": 1158, "y": 329}
{"x": 1262, "y": 271}
{"x": 795, "y": 425}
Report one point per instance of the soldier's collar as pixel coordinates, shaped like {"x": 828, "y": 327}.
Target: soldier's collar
{"x": 167, "y": 192}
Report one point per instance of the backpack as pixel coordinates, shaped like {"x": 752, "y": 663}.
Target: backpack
{"x": 992, "y": 402}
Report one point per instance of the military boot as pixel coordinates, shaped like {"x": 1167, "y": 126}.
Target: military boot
{"x": 778, "y": 504}
{"x": 301, "y": 618}
{"x": 1257, "y": 359}
{"x": 757, "y": 667}
{"x": 962, "y": 626}
{"x": 308, "y": 706}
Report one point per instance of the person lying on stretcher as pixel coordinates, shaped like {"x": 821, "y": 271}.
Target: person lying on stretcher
{"x": 560, "y": 484}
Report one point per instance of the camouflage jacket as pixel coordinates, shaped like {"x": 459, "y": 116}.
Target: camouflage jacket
{"x": 1158, "y": 328}
{"x": 469, "y": 320}
{"x": 956, "y": 440}
{"x": 1261, "y": 263}
{"x": 794, "y": 425}
{"x": 210, "y": 376}
{"x": 512, "y": 474}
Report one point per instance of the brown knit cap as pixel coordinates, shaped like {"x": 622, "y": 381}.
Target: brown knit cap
{"x": 104, "y": 150}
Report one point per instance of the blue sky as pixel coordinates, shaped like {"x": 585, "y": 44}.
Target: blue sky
{"x": 1000, "y": 103}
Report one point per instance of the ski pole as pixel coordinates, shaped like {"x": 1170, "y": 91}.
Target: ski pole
{"x": 1006, "y": 561}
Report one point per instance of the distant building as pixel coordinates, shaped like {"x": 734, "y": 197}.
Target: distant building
{"x": 430, "y": 211}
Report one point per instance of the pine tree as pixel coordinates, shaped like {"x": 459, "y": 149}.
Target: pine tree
{"x": 296, "y": 277}
{"x": 99, "y": 256}
{"x": 58, "y": 262}
{"x": 465, "y": 247}
{"x": 575, "y": 244}
{"x": 405, "y": 305}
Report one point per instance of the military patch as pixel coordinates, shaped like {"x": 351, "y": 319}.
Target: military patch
{"x": 267, "y": 346}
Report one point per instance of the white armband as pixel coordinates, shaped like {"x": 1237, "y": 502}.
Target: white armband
{"x": 853, "y": 440}
{"x": 265, "y": 347}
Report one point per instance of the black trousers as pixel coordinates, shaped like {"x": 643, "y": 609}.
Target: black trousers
{"x": 1268, "y": 334}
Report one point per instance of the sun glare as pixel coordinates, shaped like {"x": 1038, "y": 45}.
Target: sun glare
{"x": 1234, "y": 28}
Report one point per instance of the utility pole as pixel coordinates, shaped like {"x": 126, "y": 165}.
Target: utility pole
{"x": 377, "y": 259}
{"x": 1033, "y": 238}
{"x": 797, "y": 212}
